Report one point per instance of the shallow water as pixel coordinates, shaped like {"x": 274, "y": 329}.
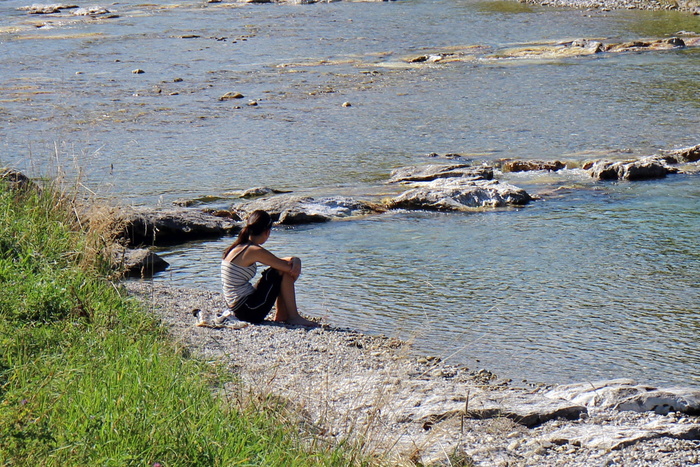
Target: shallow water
{"x": 596, "y": 280}
{"x": 601, "y": 286}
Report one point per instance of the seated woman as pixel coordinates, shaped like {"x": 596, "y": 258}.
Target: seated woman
{"x": 275, "y": 287}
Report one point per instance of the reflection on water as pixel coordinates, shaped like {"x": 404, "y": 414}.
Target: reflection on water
{"x": 595, "y": 280}
{"x": 659, "y": 23}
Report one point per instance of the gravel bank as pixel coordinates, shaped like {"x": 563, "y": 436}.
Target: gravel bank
{"x": 692, "y": 6}
{"x": 378, "y": 392}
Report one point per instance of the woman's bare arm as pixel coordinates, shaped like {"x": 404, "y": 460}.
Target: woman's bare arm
{"x": 291, "y": 265}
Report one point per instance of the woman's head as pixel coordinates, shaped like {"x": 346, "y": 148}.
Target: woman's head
{"x": 257, "y": 223}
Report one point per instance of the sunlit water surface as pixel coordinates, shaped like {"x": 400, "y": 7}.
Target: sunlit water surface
{"x": 597, "y": 280}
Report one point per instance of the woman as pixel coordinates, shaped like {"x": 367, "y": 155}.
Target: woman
{"x": 276, "y": 286}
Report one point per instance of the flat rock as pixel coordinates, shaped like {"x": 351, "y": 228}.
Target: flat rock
{"x": 583, "y": 47}
{"x": 291, "y": 210}
{"x": 168, "y": 227}
{"x": 636, "y": 46}
{"x": 612, "y": 437}
{"x": 531, "y": 165}
{"x": 91, "y": 11}
{"x": 646, "y": 168}
{"x": 627, "y": 395}
{"x": 680, "y": 156}
{"x": 46, "y": 9}
{"x": 602, "y": 394}
{"x": 552, "y": 51}
{"x": 664, "y": 401}
{"x": 430, "y": 172}
{"x": 460, "y": 195}
{"x": 529, "y": 410}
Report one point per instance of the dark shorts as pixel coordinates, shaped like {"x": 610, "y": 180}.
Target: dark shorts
{"x": 258, "y": 304}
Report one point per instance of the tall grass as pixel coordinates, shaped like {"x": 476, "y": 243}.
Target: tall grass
{"x": 88, "y": 378}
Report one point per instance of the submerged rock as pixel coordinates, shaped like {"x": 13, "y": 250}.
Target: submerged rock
{"x": 460, "y": 195}
{"x": 583, "y": 47}
{"x": 289, "y": 210}
{"x": 154, "y": 227}
{"x": 635, "y": 46}
{"x": 261, "y": 191}
{"x": 575, "y": 48}
{"x": 186, "y": 203}
{"x": 451, "y": 156}
{"x": 430, "y": 172}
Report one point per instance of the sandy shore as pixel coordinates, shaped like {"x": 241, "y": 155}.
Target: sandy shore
{"x": 410, "y": 408}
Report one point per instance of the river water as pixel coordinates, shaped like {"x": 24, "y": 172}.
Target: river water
{"x": 595, "y": 280}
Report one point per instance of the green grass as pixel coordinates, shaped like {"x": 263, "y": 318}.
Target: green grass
{"x": 87, "y": 377}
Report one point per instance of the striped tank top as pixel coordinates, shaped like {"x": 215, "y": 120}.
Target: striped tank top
{"x": 235, "y": 280}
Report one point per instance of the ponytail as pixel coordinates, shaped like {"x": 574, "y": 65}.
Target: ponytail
{"x": 258, "y": 222}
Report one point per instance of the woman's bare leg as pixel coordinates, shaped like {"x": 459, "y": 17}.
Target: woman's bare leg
{"x": 286, "y": 305}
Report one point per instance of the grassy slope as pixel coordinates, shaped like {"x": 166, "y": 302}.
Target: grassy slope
{"x": 87, "y": 378}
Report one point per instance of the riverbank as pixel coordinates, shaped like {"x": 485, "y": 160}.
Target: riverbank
{"x": 409, "y": 409}
{"x": 692, "y": 6}
{"x": 88, "y": 378}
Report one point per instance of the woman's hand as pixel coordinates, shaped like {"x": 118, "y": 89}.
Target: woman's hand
{"x": 295, "y": 265}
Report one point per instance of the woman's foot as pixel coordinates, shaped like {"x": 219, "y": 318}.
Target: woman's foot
{"x": 301, "y": 321}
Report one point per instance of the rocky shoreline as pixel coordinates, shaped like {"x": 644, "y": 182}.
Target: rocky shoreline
{"x": 455, "y": 184}
{"x": 692, "y": 6}
{"x": 681, "y": 5}
{"x": 410, "y": 409}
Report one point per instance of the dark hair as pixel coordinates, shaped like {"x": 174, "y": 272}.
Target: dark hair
{"x": 257, "y": 223}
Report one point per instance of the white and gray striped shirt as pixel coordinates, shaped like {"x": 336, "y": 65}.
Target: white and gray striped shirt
{"x": 236, "y": 282}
